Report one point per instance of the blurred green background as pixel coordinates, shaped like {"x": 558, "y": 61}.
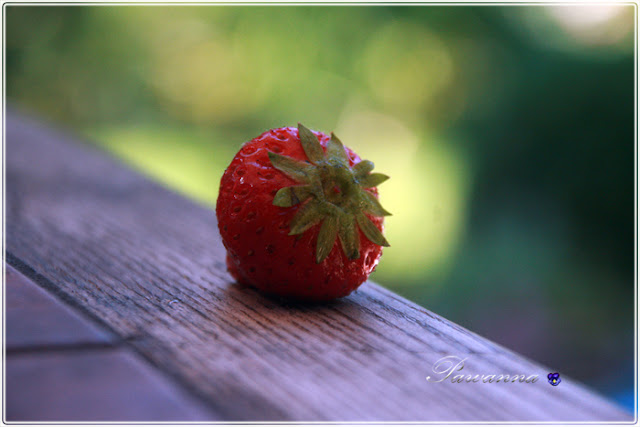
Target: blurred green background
{"x": 508, "y": 132}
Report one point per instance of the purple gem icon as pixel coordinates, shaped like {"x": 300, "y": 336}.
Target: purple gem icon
{"x": 554, "y": 379}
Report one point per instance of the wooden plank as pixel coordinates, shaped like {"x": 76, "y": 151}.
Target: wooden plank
{"x": 62, "y": 366}
{"x": 36, "y": 319}
{"x": 150, "y": 264}
{"x": 93, "y": 385}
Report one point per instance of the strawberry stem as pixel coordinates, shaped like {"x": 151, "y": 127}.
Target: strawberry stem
{"x": 333, "y": 192}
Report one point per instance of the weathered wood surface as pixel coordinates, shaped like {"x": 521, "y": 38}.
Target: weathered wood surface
{"x": 149, "y": 264}
{"x": 36, "y": 319}
{"x": 60, "y": 366}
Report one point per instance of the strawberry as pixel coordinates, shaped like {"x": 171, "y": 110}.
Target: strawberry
{"x": 299, "y": 215}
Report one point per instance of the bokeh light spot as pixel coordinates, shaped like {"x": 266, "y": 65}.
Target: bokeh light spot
{"x": 594, "y": 24}
{"x": 406, "y": 66}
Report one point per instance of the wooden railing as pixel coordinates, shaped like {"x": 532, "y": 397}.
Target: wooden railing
{"x": 143, "y": 268}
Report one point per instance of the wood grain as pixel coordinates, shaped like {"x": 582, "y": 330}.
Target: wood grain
{"x": 60, "y": 366}
{"x": 149, "y": 264}
{"x": 36, "y": 319}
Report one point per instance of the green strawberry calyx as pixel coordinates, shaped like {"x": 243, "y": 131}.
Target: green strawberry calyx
{"x": 335, "y": 194}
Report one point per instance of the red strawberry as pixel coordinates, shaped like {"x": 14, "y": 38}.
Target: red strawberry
{"x": 299, "y": 215}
